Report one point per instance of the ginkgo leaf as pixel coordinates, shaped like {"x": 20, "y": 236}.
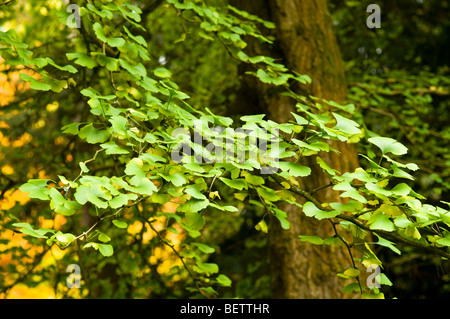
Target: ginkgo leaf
{"x": 93, "y": 135}
{"x": 195, "y": 191}
{"x": 35, "y": 84}
{"x": 294, "y": 169}
{"x": 346, "y": 125}
{"x": 381, "y": 222}
{"x": 193, "y": 205}
{"x": 106, "y": 249}
{"x": 36, "y": 188}
{"x": 82, "y": 59}
{"x": 119, "y": 224}
{"x": 99, "y": 32}
{"x": 316, "y": 240}
{"x": 388, "y": 145}
{"x": 238, "y": 184}
{"x": 224, "y": 280}
{"x": 311, "y": 210}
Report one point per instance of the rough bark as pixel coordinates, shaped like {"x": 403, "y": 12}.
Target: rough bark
{"x": 305, "y": 42}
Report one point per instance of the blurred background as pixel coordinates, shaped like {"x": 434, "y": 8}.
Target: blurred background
{"x": 398, "y": 77}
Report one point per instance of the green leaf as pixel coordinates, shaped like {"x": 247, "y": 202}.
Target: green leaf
{"x": 254, "y": 179}
{"x": 61, "y": 205}
{"x": 195, "y": 167}
{"x": 36, "y": 188}
{"x": 224, "y": 208}
{"x": 152, "y": 158}
{"x": 162, "y": 73}
{"x": 325, "y": 166}
{"x": 96, "y": 201}
{"x": 294, "y": 169}
{"x": 263, "y": 76}
{"x": 92, "y": 135}
{"x": 397, "y": 172}
{"x": 390, "y": 210}
{"x": 257, "y": 118}
{"x": 351, "y": 206}
{"x": 71, "y": 128}
{"x": 262, "y": 226}
{"x": 120, "y": 200}
{"x": 137, "y": 70}
{"x": 105, "y": 249}
{"x": 224, "y": 280}
{"x": 311, "y": 210}
{"x": 349, "y": 191}
{"x": 267, "y": 194}
{"x": 116, "y": 42}
{"x": 193, "y": 205}
{"x": 300, "y": 119}
{"x": 303, "y": 78}
{"x": 144, "y": 187}
{"x": 402, "y": 222}
{"x": 377, "y": 189}
{"x": 133, "y": 167}
{"x": 120, "y": 224}
{"x": 351, "y": 272}
{"x": 194, "y": 221}
{"x": 383, "y": 279}
{"x": 346, "y": 125}
{"x": 208, "y": 268}
{"x": 64, "y": 238}
{"x": 67, "y": 68}
{"x": 381, "y": 222}
{"x": 388, "y": 145}
{"x": 93, "y": 94}
{"x": 103, "y": 237}
{"x": 83, "y": 167}
{"x": 238, "y": 184}
{"x": 282, "y": 218}
{"x": 386, "y": 243}
{"x": 176, "y": 179}
{"x": 195, "y": 191}
{"x": 112, "y": 64}
{"x": 351, "y": 288}
{"x": 315, "y": 240}
{"x": 119, "y": 126}
{"x": 139, "y": 39}
{"x": 35, "y": 84}
{"x": 86, "y": 194}
{"x": 99, "y": 32}
{"x": 27, "y": 229}
{"x": 204, "y": 248}
{"x": 445, "y": 241}
{"x": 113, "y": 149}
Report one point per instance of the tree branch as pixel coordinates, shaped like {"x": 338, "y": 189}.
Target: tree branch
{"x": 388, "y": 235}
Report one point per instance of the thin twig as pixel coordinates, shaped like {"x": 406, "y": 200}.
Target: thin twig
{"x": 315, "y": 190}
{"x": 388, "y": 235}
{"x": 172, "y": 247}
{"x": 87, "y": 161}
{"x": 349, "y": 251}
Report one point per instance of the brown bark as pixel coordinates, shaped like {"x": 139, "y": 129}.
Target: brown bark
{"x": 305, "y": 43}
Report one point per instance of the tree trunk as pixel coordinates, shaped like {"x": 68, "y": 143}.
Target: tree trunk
{"x": 305, "y": 42}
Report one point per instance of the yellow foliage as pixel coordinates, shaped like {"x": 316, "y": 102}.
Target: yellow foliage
{"x": 11, "y": 197}
{"x": 7, "y": 169}
{"x": 42, "y": 291}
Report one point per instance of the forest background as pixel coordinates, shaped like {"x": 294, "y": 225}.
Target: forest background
{"x": 55, "y": 79}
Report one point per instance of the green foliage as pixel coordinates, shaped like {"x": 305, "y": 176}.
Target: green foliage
{"x": 136, "y": 114}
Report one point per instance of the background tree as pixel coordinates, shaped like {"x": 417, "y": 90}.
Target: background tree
{"x": 305, "y": 42}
